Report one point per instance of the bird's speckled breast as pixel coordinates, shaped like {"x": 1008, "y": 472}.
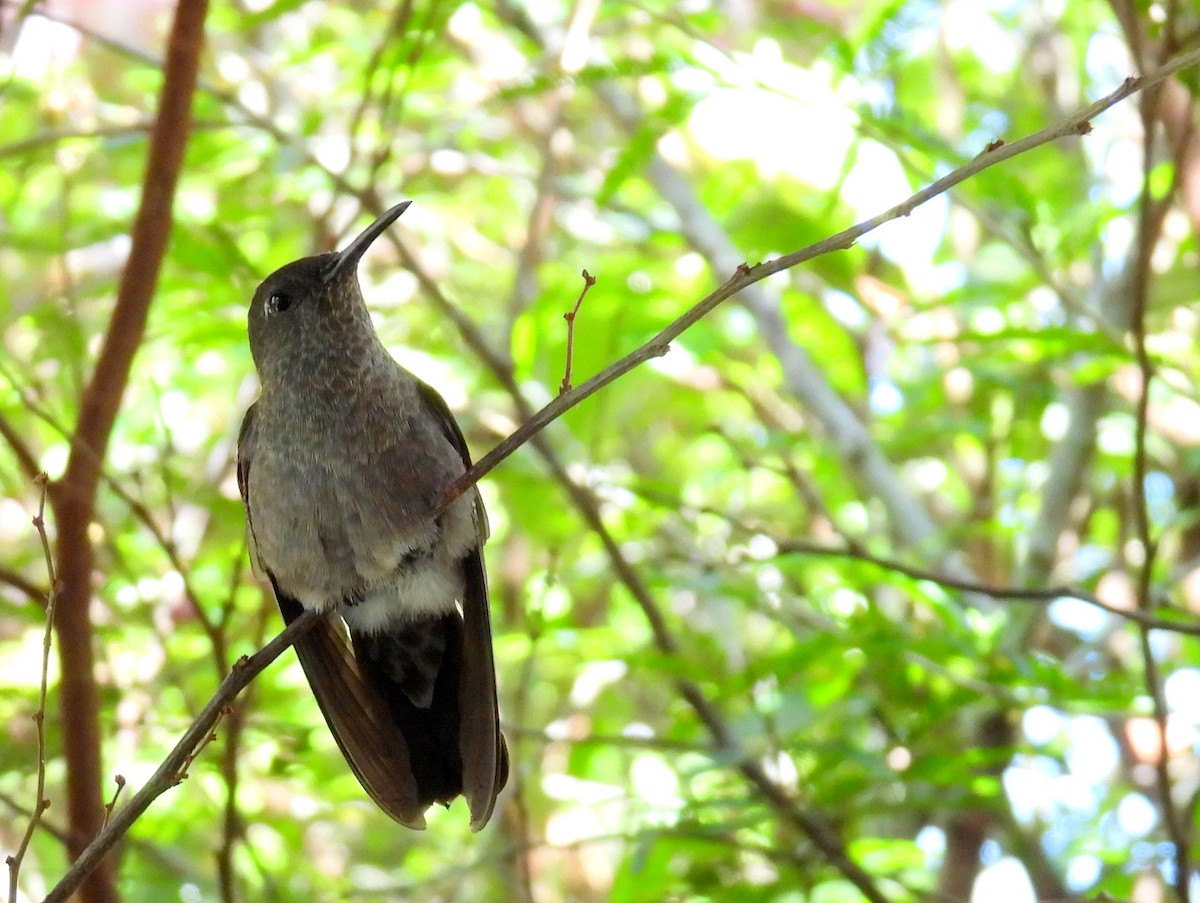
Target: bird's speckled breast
{"x": 339, "y": 510}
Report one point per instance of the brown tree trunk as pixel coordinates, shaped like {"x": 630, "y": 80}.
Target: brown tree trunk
{"x": 74, "y": 497}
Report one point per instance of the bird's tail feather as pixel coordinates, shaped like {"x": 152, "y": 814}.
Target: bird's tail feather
{"x": 415, "y": 668}
{"x": 413, "y": 708}
{"x": 358, "y": 718}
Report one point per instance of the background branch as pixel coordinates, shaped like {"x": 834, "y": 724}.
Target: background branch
{"x": 74, "y": 496}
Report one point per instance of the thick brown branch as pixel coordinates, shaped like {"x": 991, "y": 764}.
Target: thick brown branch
{"x": 74, "y": 497}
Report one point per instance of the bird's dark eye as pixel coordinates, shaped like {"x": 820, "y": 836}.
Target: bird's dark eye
{"x": 278, "y": 302}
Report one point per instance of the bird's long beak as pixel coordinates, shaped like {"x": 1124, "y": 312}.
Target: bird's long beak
{"x": 349, "y": 256}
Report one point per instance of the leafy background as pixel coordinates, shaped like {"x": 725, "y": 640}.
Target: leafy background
{"x": 959, "y": 396}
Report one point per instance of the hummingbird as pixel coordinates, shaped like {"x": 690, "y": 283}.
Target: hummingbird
{"x": 342, "y": 460}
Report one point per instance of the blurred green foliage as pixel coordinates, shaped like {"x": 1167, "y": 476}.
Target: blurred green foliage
{"x": 966, "y": 339}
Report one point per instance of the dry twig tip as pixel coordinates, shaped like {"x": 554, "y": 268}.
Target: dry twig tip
{"x": 588, "y": 281}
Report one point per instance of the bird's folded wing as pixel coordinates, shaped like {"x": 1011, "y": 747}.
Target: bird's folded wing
{"x": 357, "y": 717}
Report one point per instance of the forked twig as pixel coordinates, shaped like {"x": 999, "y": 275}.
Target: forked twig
{"x": 588, "y": 281}
{"x": 39, "y": 717}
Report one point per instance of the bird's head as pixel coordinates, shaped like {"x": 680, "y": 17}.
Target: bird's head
{"x": 312, "y": 309}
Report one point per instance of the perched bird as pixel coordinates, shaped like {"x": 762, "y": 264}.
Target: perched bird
{"x": 341, "y": 460}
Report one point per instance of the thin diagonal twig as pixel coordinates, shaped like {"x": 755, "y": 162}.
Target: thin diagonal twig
{"x": 1077, "y": 124}
{"x": 170, "y": 772}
